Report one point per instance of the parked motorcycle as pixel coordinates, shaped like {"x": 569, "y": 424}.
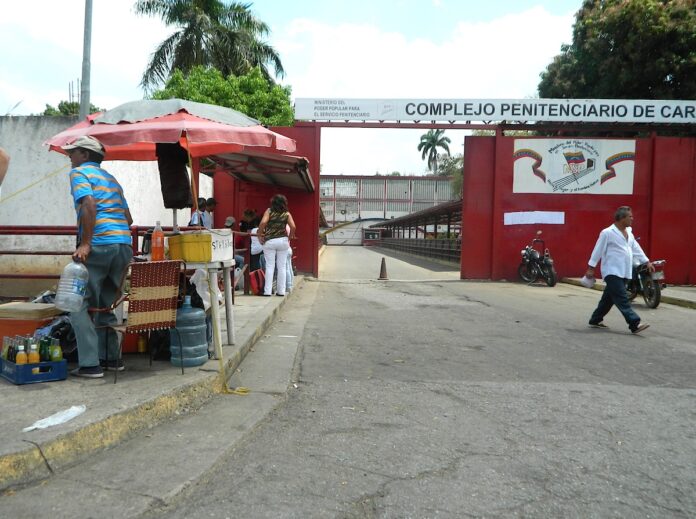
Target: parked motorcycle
{"x": 536, "y": 265}
{"x": 648, "y": 284}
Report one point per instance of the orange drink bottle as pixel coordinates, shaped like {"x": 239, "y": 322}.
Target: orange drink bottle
{"x": 33, "y": 356}
{"x": 157, "y": 247}
{"x": 21, "y": 357}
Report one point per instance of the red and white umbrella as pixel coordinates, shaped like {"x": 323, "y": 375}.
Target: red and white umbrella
{"x": 130, "y": 131}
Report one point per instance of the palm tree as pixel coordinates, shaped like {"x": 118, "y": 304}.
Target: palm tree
{"x": 212, "y": 33}
{"x": 429, "y": 143}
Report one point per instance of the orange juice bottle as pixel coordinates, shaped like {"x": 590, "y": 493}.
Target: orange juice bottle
{"x": 21, "y": 357}
{"x": 33, "y": 356}
{"x": 157, "y": 247}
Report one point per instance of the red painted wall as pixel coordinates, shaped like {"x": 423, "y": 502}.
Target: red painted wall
{"x": 663, "y": 202}
{"x": 234, "y": 196}
{"x": 673, "y": 223}
{"x": 477, "y": 209}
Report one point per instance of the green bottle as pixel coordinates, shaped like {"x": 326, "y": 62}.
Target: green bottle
{"x": 45, "y": 349}
{"x": 56, "y": 351}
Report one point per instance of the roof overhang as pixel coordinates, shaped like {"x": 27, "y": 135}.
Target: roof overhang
{"x": 266, "y": 168}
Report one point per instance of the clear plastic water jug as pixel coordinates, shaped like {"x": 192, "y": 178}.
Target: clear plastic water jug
{"x": 72, "y": 287}
{"x": 190, "y": 325}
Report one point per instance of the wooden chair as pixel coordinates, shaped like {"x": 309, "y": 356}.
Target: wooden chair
{"x": 152, "y": 302}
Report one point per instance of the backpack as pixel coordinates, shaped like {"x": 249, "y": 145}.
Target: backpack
{"x": 257, "y": 279}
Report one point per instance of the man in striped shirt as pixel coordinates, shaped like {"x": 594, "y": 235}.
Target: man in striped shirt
{"x": 104, "y": 246}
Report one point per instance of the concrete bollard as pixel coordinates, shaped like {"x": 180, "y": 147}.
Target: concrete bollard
{"x": 383, "y": 270}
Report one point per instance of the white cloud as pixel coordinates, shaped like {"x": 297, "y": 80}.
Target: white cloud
{"x": 497, "y": 59}
{"x": 47, "y": 52}
{"x": 501, "y": 58}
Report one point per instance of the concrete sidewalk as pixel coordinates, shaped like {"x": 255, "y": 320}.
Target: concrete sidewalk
{"x": 680, "y": 295}
{"x": 143, "y": 398}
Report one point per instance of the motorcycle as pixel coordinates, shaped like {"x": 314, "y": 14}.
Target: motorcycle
{"x": 534, "y": 265}
{"x": 647, "y": 284}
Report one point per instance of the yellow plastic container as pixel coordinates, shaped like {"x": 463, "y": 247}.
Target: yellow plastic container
{"x": 195, "y": 247}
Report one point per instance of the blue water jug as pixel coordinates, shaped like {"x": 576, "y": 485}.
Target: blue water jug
{"x": 190, "y": 325}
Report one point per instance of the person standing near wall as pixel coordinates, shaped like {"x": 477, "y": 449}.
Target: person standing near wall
{"x": 208, "y": 213}
{"x": 615, "y": 249}
{"x": 274, "y": 238}
{"x": 197, "y": 215}
{"x": 104, "y": 246}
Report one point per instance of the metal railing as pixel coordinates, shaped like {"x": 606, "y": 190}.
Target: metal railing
{"x": 58, "y": 230}
{"x": 441, "y": 249}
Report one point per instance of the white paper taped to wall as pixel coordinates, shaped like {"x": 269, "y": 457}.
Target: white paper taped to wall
{"x": 527, "y": 217}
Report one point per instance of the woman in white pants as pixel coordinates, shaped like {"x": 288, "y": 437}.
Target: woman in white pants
{"x": 275, "y": 242}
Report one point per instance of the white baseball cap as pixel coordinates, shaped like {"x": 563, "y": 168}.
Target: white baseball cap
{"x": 86, "y": 142}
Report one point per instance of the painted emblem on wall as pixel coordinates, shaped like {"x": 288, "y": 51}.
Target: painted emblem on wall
{"x": 573, "y": 166}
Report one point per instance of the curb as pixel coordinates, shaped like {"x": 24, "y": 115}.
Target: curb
{"x": 671, "y": 300}
{"x": 41, "y": 460}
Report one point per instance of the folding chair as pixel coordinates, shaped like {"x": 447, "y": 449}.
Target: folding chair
{"x": 152, "y": 302}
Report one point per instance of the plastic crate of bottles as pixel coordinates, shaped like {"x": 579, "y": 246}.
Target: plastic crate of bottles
{"x": 47, "y": 371}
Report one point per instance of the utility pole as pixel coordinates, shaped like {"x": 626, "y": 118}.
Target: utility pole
{"x": 86, "y": 62}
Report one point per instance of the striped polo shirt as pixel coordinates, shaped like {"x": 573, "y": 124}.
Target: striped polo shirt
{"x": 111, "y": 225}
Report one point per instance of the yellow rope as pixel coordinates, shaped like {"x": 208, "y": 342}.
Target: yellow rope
{"x": 51, "y": 174}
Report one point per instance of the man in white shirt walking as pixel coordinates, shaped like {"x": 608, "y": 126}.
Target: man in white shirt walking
{"x": 615, "y": 248}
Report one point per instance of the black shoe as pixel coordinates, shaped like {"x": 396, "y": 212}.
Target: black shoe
{"x": 600, "y": 324}
{"x": 90, "y": 372}
{"x": 280, "y": 295}
{"x": 640, "y": 328}
{"x": 113, "y": 365}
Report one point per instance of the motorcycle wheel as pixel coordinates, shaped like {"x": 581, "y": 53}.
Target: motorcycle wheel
{"x": 526, "y": 274}
{"x": 550, "y": 275}
{"x": 652, "y": 293}
{"x": 632, "y": 290}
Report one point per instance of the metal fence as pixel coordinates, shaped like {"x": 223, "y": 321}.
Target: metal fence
{"x": 444, "y": 250}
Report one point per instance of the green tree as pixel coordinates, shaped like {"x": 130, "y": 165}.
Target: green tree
{"x": 211, "y": 33}
{"x": 452, "y": 166}
{"x": 250, "y": 93}
{"x": 395, "y": 174}
{"x": 68, "y": 108}
{"x": 428, "y": 145}
{"x": 627, "y": 49}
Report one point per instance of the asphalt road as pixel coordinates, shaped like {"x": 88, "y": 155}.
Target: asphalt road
{"x": 441, "y": 398}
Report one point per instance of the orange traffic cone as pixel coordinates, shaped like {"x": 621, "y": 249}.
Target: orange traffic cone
{"x": 383, "y": 270}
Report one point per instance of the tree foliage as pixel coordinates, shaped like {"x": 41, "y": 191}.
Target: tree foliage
{"x": 211, "y": 33}
{"x": 429, "y": 144}
{"x": 251, "y": 94}
{"x": 452, "y": 166}
{"x": 68, "y": 108}
{"x": 627, "y": 49}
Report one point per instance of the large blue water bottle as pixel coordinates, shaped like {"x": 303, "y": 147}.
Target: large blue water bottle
{"x": 190, "y": 325}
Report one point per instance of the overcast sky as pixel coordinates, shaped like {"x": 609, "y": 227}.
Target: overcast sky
{"x": 329, "y": 48}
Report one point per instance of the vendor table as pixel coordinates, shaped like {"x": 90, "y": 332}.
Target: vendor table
{"x": 213, "y": 268}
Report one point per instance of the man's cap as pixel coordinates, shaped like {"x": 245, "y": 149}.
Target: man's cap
{"x": 86, "y": 142}
{"x": 230, "y": 221}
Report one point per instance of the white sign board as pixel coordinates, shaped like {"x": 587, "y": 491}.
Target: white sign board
{"x": 222, "y": 244}
{"x": 529, "y": 110}
{"x": 574, "y": 166}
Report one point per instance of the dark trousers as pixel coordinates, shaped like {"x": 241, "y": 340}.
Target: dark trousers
{"x": 106, "y": 264}
{"x": 615, "y": 294}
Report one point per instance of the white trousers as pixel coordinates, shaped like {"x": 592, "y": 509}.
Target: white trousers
{"x": 275, "y": 251}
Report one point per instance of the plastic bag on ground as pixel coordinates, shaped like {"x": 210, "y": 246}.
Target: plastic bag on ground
{"x": 57, "y": 418}
{"x": 200, "y": 281}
